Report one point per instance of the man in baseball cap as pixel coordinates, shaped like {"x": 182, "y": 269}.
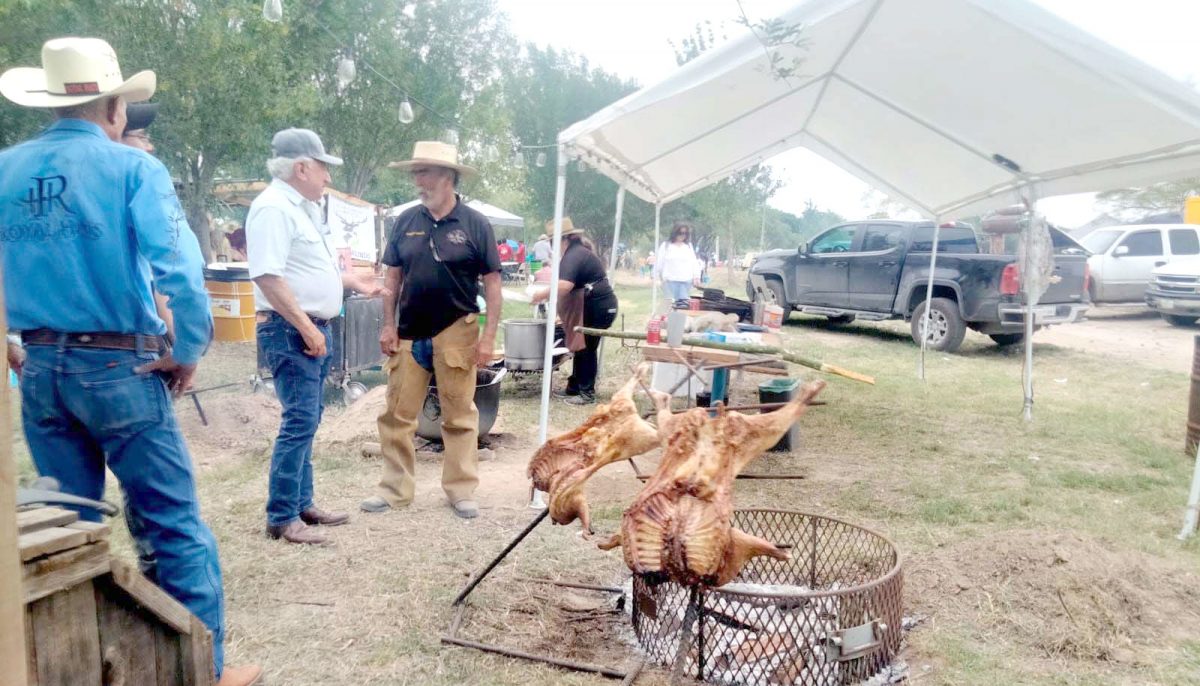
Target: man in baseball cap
{"x": 91, "y": 227}
{"x": 297, "y": 291}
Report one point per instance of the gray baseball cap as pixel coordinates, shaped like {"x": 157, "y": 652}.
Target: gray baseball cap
{"x": 301, "y": 143}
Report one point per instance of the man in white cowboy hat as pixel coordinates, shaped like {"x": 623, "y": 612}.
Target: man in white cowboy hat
{"x": 297, "y": 291}
{"x": 87, "y": 226}
{"x": 542, "y": 249}
{"x": 436, "y": 254}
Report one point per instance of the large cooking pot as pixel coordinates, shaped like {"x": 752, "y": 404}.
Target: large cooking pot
{"x": 524, "y": 344}
{"x": 487, "y": 401}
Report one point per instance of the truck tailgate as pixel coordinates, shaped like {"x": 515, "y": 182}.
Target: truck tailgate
{"x": 1067, "y": 283}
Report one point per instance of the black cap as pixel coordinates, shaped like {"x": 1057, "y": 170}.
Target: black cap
{"x": 140, "y": 116}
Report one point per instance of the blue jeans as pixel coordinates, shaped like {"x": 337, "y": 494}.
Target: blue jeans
{"x": 84, "y": 408}
{"x": 299, "y": 383}
{"x": 677, "y": 290}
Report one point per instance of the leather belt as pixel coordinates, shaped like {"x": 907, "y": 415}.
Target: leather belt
{"x": 264, "y": 315}
{"x": 102, "y": 340}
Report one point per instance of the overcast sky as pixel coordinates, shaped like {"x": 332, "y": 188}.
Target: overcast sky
{"x": 630, "y": 38}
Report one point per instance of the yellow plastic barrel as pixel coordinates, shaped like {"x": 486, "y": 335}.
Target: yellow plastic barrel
{"x": 231, "y": 294}
{"x": 1191, "y": 210}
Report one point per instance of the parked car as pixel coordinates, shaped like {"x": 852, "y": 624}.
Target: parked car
{"x": 1123, "y": 257}
{"x": 1174, "y": 291}
{"x": 877, "y": 270}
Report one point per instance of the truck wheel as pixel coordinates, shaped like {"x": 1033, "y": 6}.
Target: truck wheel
{"x": 776, "y": 288}
{"x": 948, "y": 327}
{"x": 841, "y": 319}
{"x": 1179, "y": 320}
{"x": 1007, "y": 338}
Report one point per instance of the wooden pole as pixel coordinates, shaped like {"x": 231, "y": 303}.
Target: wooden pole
{"x": 12, "y": 609}
{"x": 742, "y": 348}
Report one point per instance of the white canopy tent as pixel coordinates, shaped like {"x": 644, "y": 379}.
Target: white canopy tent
{"x": 495, "y": 215}
{"x": 951, "y": 106}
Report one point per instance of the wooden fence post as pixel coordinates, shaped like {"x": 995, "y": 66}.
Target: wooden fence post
{"x": 12, "y": 609}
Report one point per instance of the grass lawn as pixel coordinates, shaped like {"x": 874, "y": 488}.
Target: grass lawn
{"x": 1035, "y": 553}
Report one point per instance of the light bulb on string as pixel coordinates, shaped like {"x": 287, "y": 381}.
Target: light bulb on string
{"x": 451, "y": 137}
{"x": 273, "y": 10}
{"x": 346, "y": 71}
{"x": 541, "y": 159}
{"x": 581, "y": 166}
{"x": 518, "y": 158}
{"x": 406, "y": 112}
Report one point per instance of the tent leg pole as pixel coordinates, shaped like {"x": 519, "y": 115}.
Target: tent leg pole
{"x": 929, "y": 297}
{"x": 560, "y": 191}
{"x": 1030, "y": 199}
{"x": 654, "y": 286}
{"x": 612, "y": 266}
{"x": 1192, "y": 513}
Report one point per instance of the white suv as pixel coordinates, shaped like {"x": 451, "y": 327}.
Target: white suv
{"x": 1174, "y": 291}
{"x": 1123, "y": 257}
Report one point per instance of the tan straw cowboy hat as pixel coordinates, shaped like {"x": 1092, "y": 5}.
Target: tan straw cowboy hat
{"x": 74, "y": 71}
{"x": 568, "y": 227}
{"x": 435, "y": 154}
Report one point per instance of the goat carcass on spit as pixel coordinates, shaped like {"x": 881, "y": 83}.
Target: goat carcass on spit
{"x": 679, "y": 527}
{"x": 614, "y": 432}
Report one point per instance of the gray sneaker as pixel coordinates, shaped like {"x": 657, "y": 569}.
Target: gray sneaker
{"x": 467, "y": 509}
{"x": 374, "y": 504}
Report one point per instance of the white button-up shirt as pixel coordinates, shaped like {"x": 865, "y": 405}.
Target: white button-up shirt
{"x": 286, "y": 237}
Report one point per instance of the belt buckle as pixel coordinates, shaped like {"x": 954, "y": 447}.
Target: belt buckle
{"x": 84, "y": 338}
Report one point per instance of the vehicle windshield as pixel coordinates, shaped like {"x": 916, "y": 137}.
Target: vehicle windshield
{"x": 1098, "y": 241}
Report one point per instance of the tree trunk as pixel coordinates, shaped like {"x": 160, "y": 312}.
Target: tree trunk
{"x": 197, "y": 187}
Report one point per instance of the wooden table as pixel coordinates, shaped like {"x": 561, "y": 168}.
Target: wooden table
{"x": 703, "y": 357}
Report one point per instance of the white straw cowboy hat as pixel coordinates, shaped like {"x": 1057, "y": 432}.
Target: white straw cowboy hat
{"x": 435, "y": 154}
{"x": 74, "y": 71}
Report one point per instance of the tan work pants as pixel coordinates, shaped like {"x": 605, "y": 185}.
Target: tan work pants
{"x": 454, "y": 364}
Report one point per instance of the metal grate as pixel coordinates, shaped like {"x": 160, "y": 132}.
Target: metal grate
{"x": 830, "y": 615}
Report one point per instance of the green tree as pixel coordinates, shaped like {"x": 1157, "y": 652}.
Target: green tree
{"x": 548, "y": 91}
{"x": 1135, "y": 203}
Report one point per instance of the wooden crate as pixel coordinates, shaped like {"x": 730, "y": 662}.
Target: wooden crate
{"x": 92, "y": 620}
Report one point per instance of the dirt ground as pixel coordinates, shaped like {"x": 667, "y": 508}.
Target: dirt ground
{"x": 1132, "y": 333}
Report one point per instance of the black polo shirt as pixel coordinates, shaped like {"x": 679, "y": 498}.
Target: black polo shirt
{"x": 440, "y": 279}
{"x": 581, "y": 266}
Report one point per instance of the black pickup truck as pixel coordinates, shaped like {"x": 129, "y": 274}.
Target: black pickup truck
{"x": 877, "y": 270}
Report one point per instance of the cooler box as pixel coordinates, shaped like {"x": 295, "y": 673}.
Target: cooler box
{"x": 231, "y": 294}
{"x": 781, "y": 391}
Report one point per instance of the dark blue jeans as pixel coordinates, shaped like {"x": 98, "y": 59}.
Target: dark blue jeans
{"x": 299, "y": 382}
{"x": 84, "y": 408}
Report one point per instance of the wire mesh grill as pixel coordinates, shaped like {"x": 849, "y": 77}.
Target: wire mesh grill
{"x": 830, "y": 615}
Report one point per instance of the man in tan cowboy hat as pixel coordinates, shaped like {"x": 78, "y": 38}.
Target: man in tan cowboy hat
{"x": 436, "y": 253}
{"x": 87, "y": 227}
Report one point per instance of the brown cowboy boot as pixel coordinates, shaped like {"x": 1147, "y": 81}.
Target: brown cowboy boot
{"x": 297, "y": 531}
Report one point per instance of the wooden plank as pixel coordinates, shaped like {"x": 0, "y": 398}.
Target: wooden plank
{"x": 127, "y": 637}
{"x": 198, "y": 655}
{"x": 66, "y": 638}
{"x": 152, "y": 597}
{"x": 59, "y": 572}
{"x": 12, "y": 609}
{"x": 95, "y": 530}
{"x": 44, "y": 518}
{"x": 167, "y": 657}
{"x": 706, "y": 356}
{"x": 30, "y": 660}
{"x": 49, "y": 541}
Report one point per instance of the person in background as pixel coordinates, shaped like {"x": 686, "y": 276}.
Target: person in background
{"x": 675, "y": 266}
{"x": 437, "y": 253}
{"x": 542, "y": 249}
{"x": 581, "y": 275}
{"x": 297, "y": 290}
{"x": 97, "y": 227}
{"x": 505, "y": 252}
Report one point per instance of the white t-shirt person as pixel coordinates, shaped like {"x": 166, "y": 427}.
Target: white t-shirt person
{"x": 286, "y": 237}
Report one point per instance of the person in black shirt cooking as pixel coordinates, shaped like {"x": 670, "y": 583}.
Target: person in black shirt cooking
{"x": 583, "y": 287}
{"x": 436, "y": 254}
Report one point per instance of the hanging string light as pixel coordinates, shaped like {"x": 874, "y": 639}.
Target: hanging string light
{"x": 451, "y": 137}
{"x": 273, "y": 10}
{"x": 582, "y": 166}
{"x": 541, "y": 159}
{"x": 346, "y": 71}
{"x": 518, "y": 158}
{"x": 406, "y": 112}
